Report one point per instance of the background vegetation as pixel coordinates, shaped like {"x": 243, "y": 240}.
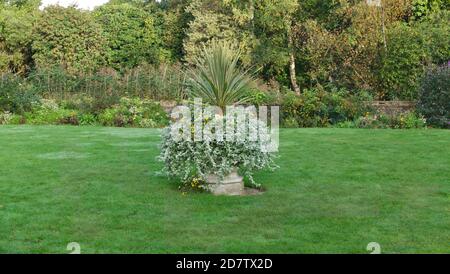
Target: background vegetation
{"x": 314, "y": 58}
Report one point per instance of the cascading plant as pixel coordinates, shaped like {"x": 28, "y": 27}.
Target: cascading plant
{"x": 218, "y": 81}
{"x": 187, "y": 159}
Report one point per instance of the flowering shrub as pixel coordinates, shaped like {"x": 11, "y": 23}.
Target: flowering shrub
{"x": 187, "y": 160}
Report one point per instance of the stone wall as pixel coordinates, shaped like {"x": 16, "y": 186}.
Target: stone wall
{"x": 393, "y": 107}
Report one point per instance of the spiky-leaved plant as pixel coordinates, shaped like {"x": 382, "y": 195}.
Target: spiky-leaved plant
{"x": 217, "y": 77}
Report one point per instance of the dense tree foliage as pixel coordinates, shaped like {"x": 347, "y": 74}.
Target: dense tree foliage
{"x": 16, "y": 24}
{"x": 411, "y": 49}
{"x": 131, "y": 35}
{"x": 350, "y": 44}
{"x": 216, "y": 21}
{"x": 422, "y": 8}
{"x": 434, "y": 96}
{"x": 275, "y": 28}
{"x": 174, "y": 22}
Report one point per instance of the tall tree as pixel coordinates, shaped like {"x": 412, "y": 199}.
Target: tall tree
{"x": 173, "y": 26}
{"x": 70, "y": 38}
{"x": 130, "y": 33}
{"x": 16, "y": 23}
{"x": 217, "y": 20}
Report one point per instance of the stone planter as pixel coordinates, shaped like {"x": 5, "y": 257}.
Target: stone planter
{"x": 232, "y": 184}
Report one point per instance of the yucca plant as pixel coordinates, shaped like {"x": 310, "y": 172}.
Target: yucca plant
{"x": 217, "y": 77}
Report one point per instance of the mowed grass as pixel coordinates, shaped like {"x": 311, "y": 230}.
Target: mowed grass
{"x": 336, "y": 191}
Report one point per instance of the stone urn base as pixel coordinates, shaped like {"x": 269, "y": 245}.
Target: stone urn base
{"x": 232, "y": 184}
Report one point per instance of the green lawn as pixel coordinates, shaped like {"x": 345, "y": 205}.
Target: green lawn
{"x": 336, "y": 191}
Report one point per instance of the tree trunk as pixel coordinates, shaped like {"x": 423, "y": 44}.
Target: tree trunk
{"x": 292, "y": 71}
